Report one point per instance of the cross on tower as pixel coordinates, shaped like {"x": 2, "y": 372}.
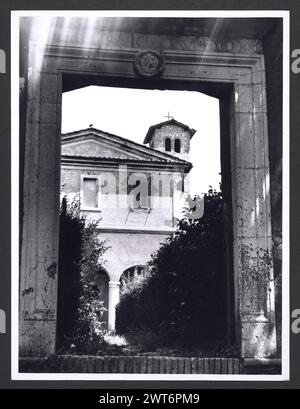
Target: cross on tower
{"x": 168, "y": 116}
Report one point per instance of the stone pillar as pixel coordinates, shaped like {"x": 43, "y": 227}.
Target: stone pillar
{"x": 113, "y": 299}
{"x": 39, "y": 254}
{"x": 252, "y": 235}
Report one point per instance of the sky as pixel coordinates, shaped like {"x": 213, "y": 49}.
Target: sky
{"x": 130, "y": 112}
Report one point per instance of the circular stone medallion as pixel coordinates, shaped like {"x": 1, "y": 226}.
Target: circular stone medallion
{"x": 149, "y": 63}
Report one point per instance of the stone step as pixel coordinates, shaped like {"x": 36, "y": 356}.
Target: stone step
{"x": 131, "y": 365}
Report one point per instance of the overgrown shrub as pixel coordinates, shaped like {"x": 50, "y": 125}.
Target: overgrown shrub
{"x": 80, "y": 309}
{"x": 134, "y": 282}
{"x": 182, "y": 299}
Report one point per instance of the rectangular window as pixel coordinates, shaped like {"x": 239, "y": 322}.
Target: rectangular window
{"x": 90, "y": 192}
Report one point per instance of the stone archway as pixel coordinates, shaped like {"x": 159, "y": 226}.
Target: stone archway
{"x": 130, "y": 273}
{"x": 115, "y": 292}
{"x": 103, "y": 287}
{"x": 236, "y": 66}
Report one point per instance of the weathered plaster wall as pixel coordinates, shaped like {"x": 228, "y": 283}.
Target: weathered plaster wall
{"x": 114, "y": 210}
{"x": 129, "y": 249}
{"x": 132, "y": 236}
{"x": 94, "y": 148}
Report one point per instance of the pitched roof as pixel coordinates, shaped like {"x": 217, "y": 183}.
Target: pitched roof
{"x": 170, "y": 122}
{"x": 104, "y": 145}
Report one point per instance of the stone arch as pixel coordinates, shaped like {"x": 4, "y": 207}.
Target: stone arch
{"x": 129, "y": 273}
{"x": 103, "y": 287}
{"x": 237, "y": 76}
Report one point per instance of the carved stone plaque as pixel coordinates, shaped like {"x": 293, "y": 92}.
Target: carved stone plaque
{"x": 149, "y": 63}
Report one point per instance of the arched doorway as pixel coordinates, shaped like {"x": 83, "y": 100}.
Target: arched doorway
{"x": 117, "y": 288}
{"x": 102, "y": 282}
{"x": 131, "y": 279}
{"x": 129, "y": 276}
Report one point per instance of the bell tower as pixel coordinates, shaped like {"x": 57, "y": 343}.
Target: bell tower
{"x": 171, "y": 137}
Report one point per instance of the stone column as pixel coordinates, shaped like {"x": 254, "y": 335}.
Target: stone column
{"x": 252, "y": 235}
{"x": 113, "y": 299}
{"x": 40, "y": 232}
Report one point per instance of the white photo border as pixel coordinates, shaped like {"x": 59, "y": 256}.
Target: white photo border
{"x": 15, "y": 17}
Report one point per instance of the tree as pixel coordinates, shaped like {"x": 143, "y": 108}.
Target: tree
{"x": 81, "y": 255}
{"x": 183, "y": 298}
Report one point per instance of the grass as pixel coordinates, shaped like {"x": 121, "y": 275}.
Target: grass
{"x": 113, "y": 339}
{"x": 147, "y": 344}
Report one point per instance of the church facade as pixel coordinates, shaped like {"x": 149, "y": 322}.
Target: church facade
{"x": 136, "y": 193}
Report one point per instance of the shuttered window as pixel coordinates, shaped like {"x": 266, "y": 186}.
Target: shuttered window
{"x": 90, "y": 192}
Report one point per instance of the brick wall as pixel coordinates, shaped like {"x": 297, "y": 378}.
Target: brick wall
{"x": 132, "y": 364}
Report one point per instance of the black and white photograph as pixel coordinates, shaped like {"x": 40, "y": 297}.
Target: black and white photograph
{"x": 149, "y": 152}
